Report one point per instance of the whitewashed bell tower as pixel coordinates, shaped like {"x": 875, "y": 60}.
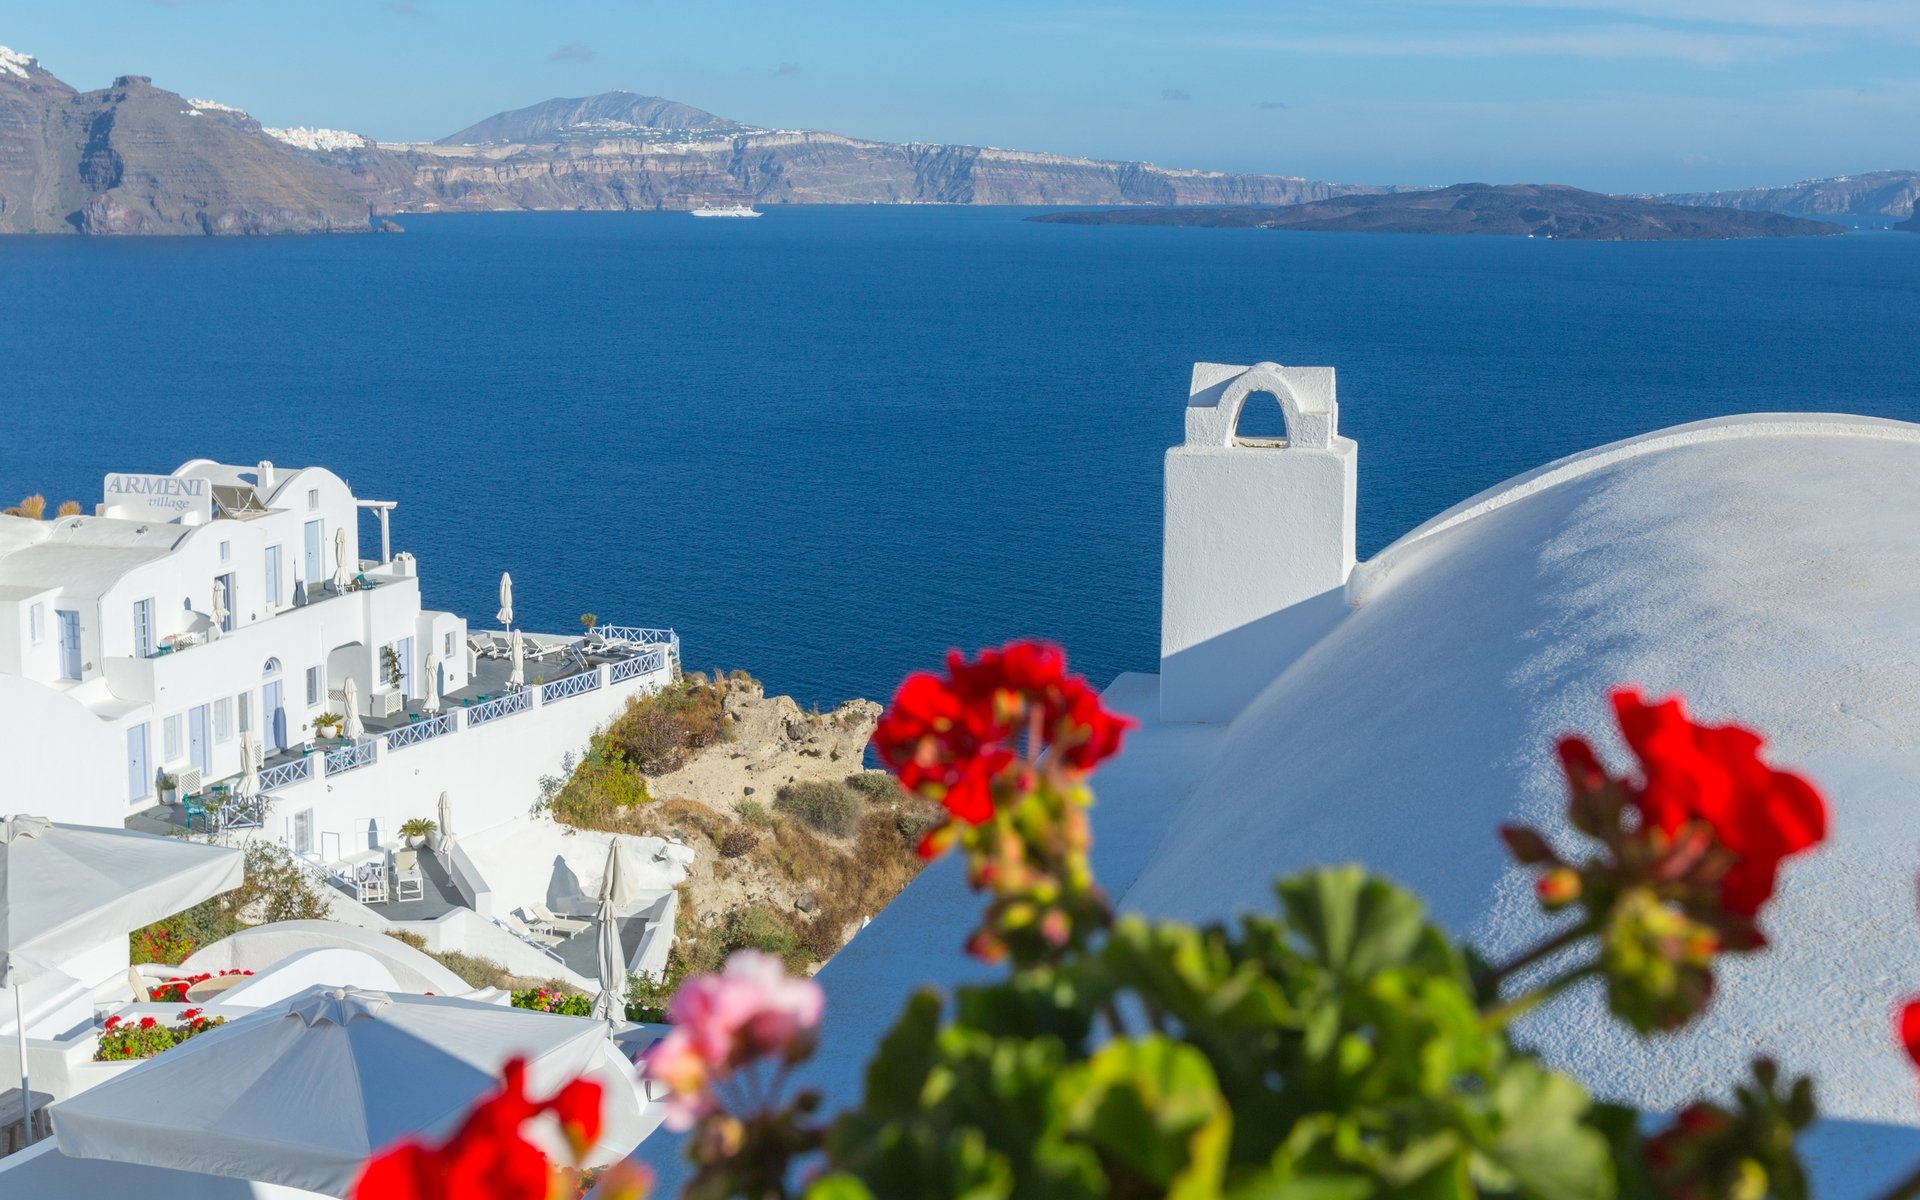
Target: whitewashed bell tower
{"x": 1259, "y": 537}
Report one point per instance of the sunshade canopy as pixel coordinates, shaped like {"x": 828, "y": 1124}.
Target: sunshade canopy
{"x": 66, "y": 887}
{"x": 302, "y": 1093}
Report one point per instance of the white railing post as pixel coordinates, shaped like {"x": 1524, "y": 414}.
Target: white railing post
{"x": 605, "y": 672}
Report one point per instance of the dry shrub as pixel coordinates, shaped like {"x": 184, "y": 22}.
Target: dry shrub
{"x": 831, "y": 808}
{"x": 877, "y": 787}
{"x": 736, "y": 841}
{"x": 658, "y": 733}
{"x": 754, "y": 813}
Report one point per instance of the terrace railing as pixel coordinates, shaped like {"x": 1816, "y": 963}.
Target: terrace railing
{"x": 499, "y": 706}
{"x": 348, "y": 758}
{"x": 420, "y": 731}
{"x": 286, "y": 774}
{"x": 640, "y": 664}
{"x": 639, "y": 635}
{"x": 572, "y": 685}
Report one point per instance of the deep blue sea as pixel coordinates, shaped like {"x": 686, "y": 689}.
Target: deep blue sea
{"x": 830, "y": 443}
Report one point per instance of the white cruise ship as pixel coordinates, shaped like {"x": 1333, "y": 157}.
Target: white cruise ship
{"x": 727, "y": 210}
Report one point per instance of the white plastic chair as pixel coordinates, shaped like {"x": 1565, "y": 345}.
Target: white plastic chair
{"x": 370, "y": 883}
{"x": 407, "y": 881}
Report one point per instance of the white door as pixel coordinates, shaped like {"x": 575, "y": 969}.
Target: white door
{"x": 274, "y": 594}
{"x": 139, "y": 767}
{"x": 273, "y": 716}
{"x": 143, "y": 629}
{"x": 199, "y": 744}
{"x": 69, "y": 643}
{"x": 315, "y": 566}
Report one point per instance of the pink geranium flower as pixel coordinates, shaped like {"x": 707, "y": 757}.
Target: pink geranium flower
{"x": 753, "y": 1009}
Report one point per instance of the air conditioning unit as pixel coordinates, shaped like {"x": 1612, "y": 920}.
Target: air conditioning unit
{"x": 190, "y": 778}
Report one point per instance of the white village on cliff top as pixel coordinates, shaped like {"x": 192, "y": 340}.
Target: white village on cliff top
{"x": 1309, "y": 708}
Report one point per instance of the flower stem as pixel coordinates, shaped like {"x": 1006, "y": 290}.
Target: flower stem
{"x": 1512, "y": 1010}
{"x": 1494, "y": 977}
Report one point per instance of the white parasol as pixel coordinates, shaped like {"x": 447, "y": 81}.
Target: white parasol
{"x": 248, "y": 785}
{"x": 430, "y": 686}
{"x": 610, "y": 1002}
{"x": 352, "y": 728}
{"x": 505, "y": 615}
{"x": 518, "y": 676}
{"x": 219, "y": 610}
{"x": 446, "y": 818}
{"x": 340, "y": 576}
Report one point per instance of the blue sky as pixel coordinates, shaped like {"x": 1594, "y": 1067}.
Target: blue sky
{"x": 1611, "y": 94}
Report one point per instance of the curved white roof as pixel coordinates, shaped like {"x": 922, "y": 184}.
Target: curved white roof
{"x": 262, "y": 947}
{"x": 1768, "y": 568}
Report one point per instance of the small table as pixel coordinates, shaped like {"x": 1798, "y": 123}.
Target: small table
{"x": 14, "y": 1127}
{"x": 209, "y": 989}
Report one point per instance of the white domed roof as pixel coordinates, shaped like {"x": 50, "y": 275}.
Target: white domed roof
{"x": 1767, "y": 568}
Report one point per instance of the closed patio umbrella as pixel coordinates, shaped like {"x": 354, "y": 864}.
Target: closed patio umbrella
{"x": 518, "y": 676}
{"x": 302, "y": 1092}
{"x": 66, "y": 887}
{"x": 219, "y": 611}
{"x": 610, "y": 1002}
{"x": 340, "y": 576}
{"x": 446, "y": 818}
{"x": 505, "y": 615}
{"x": 247, "y": 786}
{"x": 430, "y": 685}
{"x": 351, "y": 728}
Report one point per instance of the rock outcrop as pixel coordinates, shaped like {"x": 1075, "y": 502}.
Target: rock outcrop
{"x": 1871, "y": 198}
{"x": 1513, "y": 210}
{"x": 136, "y": 159}
{"x": 774, "y": 742}
{"x": 1912, "y": 223}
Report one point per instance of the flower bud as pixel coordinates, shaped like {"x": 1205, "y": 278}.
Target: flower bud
{"x": 1558, "y": 888}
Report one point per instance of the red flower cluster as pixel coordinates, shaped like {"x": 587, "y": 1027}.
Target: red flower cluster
{"x": 1711, "y": 775}
{"x": 951, "y": 738}
{"x": 174, "y": 991}
{"x": 487, "y": 1158}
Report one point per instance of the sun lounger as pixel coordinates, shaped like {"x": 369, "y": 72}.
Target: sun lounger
{"x": 540, "y": 915}
{"x": 533, "y": 937}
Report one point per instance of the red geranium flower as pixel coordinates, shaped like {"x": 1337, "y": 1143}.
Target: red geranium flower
{"x": 1713, "y": 774}
{"x": 951, "y": 739}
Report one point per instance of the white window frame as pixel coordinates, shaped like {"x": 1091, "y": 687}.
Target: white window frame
{"x": 313, "y": 499}
{"x": 146, "y": 635}
{"x": 223, "y": 720}
{"x": 36, "y": 623}
{"x": 243, "y": 703}
{"x": 172, "y": 739}
{"x": 315, "y": 692}
{"x": 226, "y": 551}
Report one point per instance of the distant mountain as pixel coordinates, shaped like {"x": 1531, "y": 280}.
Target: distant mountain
{"x": 134, "y": 158}
{"x": 617, "y": 115}
{"x": 1514, "y": 210}
{"x": 1912, "y": 223}
{"x": 1871, "y": 199}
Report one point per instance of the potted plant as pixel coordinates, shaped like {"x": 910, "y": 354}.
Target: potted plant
{"x": 327, "y": 724}
{"x": 416, "y": 831}
{"x": 390, "y": 665}
{"x": 168, "y": 786}
{"x": 588, "y": 621}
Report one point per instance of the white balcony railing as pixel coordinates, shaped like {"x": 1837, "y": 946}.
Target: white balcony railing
{"x": 286, "y": 774}
{"x": 348, "y": 758}
{"x": 420, "y": 731}
{"x": 640, "y": 664}
{"x": 572, "y": 685}
{"x": 499, "y": 706}
{"x": 639, "y": 635}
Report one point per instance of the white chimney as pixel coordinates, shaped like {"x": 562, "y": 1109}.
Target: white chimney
{"x": 263, "y": 479}
{"x": 1259, "y": 537}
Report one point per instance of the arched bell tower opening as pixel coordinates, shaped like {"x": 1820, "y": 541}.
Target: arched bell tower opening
{"x": 1259, "y": 533}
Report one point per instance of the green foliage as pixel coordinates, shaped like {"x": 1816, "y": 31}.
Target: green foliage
{"x": 541, "y": 999}
{"x": 417, "y": 827}
{"x": 758, "y": 927}
{"x": 145, "y": 1038}
{"x": 390, "y": 665}
{"x": 602, "y": 792}
{"x": 1335, "y": 1051}
{"x": 476, "y": 972}
{"x": 826, "y": 807}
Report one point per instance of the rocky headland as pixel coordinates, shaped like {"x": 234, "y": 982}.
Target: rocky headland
{"x": 137, "y": 159}
{"x": 1511, "y": 210}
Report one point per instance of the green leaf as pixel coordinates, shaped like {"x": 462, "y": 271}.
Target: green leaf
{"x": 838, "y": 1186}
{"x": 1152, "y": 1110}
{"x": 1356, "y": 925}
{"x": 898, "y": 1074}
{"x": 1544, "y": 1140}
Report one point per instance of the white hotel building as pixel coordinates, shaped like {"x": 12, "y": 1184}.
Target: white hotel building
{"x": 195, "y": 609}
